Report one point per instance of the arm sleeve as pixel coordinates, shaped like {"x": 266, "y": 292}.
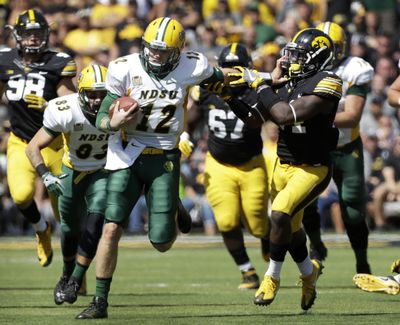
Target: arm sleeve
{"x": 105, "y": 105}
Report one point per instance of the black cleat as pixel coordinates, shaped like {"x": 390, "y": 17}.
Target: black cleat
{"x": 96, "y": 309}
{"x": 70, "y": 292}
{"x": 59, "y": 290}
{"x": 184, "y": 219}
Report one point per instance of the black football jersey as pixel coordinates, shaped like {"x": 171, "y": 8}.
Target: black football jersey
{"x": 309, "y": 142}
{"x": 230, "y": 141}
{"x": 40, "y": 78}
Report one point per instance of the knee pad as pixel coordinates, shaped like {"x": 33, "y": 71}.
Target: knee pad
{"x": 69, "y": 243}
{"x": 91, "y": 235}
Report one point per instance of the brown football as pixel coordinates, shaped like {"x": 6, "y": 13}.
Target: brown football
{"x": 124, "y": 103}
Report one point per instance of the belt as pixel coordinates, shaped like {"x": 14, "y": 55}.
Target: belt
{"x": 152, "y": 151}
{"x": 284, "y": 162}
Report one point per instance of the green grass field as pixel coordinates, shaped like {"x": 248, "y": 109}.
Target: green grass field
{"x": 192, "y": 284}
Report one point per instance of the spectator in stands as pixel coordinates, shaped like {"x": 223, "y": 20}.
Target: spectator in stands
{"x": 389, "y": 190}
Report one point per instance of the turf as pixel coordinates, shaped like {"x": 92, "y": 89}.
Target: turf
{"x": 193, "y": 284}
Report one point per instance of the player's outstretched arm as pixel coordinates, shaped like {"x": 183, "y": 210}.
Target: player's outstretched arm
{"x": 41, "y": 140}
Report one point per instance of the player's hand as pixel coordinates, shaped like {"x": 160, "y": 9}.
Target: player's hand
{"x": 185, "y": 145}
{"x": 122, "y": 117}
{"x": 53, "y": 183}
{"x": 395, "y": 267}
{"x": 35, "y": 102}
{"x": 220, "y": 89}
{"x": 245, "y": 76}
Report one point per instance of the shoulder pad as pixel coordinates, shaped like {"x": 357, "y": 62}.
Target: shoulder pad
{"x": 329, "y": 84}
{"x": 357, "y": 71}
{"x": 69, "y": 69}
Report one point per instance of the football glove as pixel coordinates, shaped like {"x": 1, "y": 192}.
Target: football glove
{"x": 219, "y": 88}
{"x": 53, "y": 183}
{"x": 245, "y": 76}
{"x": 35, "y": 102}
{"x": 185, "y": 145}
{"x": 395, "y": 267}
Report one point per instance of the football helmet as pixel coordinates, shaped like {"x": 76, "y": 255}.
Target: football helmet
{"x": 31, "y": 23}
{"x": 92, "y": 90}
{"x": 161, "y": 47}
{"x": 338, "y": 36}
{"x": 310, "y": 50}
{"x": 234, "y": 54}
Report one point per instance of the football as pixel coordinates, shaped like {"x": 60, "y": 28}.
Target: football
{"x": 124, "y": 103}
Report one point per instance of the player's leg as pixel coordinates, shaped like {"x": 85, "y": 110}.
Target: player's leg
{"x": 94, "y": 192}
{"x": 123, "y": 191}
{"x": 349, "y": 177}
{"x": 312, "y": 227}
{"x": 72, "y": 208}
{"x": 223, "y": 194}
{"x": 293, "y": 189}
{"x": 161, "y": 177}
{"x": 21, "y": 179}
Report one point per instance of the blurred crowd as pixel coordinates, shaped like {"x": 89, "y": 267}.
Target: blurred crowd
{"x": 100, "y": 31}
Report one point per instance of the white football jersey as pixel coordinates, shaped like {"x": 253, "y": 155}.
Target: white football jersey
{"x": 161, "y": 117}
{"x": 352, "y": 71}
{"x": 85, "y": 147}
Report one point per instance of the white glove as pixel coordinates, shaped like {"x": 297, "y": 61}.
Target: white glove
{"x": 185, "y": 145}
{"x": 53, "y": 183}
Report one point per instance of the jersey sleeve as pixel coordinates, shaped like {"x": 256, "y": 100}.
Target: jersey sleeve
{"x": 53, "y": 119}
{"x": 202, "y": 69}
{"x": 70, "y": 69}
{"x": 329, "y": 86}
{"x": 360, "y": 72}
{"x": 116, "y": 78}
{"x": 5, "y": 70}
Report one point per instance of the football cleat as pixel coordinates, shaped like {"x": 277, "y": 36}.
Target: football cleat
{"x": 70, "y": 292}
{"x": 59, "y": 290}
{"x": 250, "y": 280}
{"x": 96, "y": 309}
{"x": 183, "y": 218}
{"x": 373, "y": 283}
{"x": 309, "y": 291}
{"x": 44, "y": 250}
{"x": 395, "y": 267}
{"x": 267, "y": 291}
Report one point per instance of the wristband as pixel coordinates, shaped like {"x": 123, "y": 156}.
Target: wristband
{"x": 41, "y": 169}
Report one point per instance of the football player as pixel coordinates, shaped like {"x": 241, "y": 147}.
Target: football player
{"x": 235, "y": 173}
{"x": 82, "y": 190}
{"x": 143, "y": 149}
{"x": 304, "y": 108}
{"x": 31, "y": 75}
{"x": 347, "y": 158}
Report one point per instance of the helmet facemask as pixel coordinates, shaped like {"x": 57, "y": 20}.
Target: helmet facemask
{"x": 159, "y": 60}
{"x": 91, "y": 101}
{"x": 92, "y": 90}
{"x": 31, "y": 32}
{"x": 307, "y": 57}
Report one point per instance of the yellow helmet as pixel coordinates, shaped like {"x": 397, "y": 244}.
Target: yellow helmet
{"x": 166, "y": 36}
{"x": 338, "y": 36}
{"x": 92, "y": 90}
